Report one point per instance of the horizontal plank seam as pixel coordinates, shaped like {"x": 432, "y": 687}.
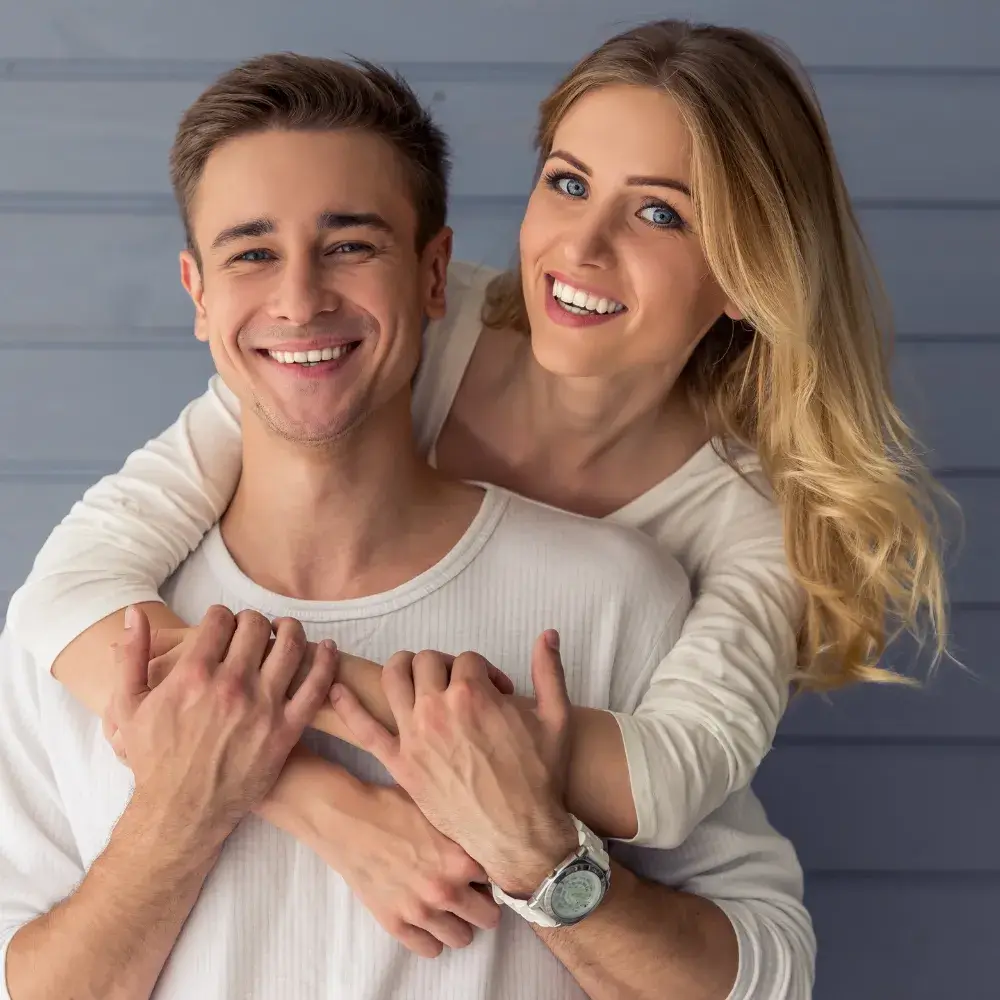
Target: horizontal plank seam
{"x": 875, "y": 741}
{"x": 162, "y": 203}
{"x": 112, "y": 70}
{"x": 90, "y": 337}
{"x": 11, "y": 469}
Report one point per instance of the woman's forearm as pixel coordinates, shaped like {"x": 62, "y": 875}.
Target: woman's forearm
{"x": 599, "y": 790}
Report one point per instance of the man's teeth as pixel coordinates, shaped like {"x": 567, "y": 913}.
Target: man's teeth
{"x": 577, "y": 301}
{"x": 309, "y": 357}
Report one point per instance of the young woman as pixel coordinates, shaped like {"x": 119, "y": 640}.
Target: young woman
{"x": 692, "y": 345}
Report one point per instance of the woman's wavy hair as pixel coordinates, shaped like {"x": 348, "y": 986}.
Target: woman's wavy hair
{"x": 803, "y": 379}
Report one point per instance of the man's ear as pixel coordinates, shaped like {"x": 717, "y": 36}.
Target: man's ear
{"x": 434, "y": 264}
{"x": 195, "y": 287}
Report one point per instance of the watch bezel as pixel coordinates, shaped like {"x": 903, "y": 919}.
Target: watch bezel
{"x": 584, "y": 862}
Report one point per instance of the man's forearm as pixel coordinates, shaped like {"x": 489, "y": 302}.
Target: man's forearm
{"x": 110, "y": 938}
{"x": 649, "y": 941}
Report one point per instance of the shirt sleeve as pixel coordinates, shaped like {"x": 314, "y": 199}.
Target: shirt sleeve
{"x": 39, "y": 862}
{"x": 132, "y": 529}
{"x": 710, "y": 711}
{"x": 738, "y": 861}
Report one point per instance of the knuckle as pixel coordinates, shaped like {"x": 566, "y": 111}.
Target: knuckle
{"x": 439, "y": 893}
{"x": 427, "y": 657}
{"x": 218, "y": 615}
{"x": 463, "y": 867}
{"x": 248, "y": 618}
{"x": 291, "y": 639}
{"x": 197, "y": 673}
{"x": 232, "y": 692}
{"x": 417, "y": 912}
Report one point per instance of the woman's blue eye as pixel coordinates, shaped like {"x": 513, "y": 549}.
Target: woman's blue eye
{"x": 660, "y": 215}
{"x": 571, "y": 186}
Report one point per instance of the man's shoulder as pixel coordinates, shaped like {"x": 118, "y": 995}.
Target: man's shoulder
{"x": 614, "y": 555}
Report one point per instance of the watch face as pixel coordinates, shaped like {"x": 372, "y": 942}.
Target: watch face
{"x": 576, "y": 894}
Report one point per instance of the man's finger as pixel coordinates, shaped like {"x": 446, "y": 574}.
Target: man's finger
{"x": 285, "y": 664}
{"x": 499, "y": 680}
{"x": 470, "y": 668}
{"x": 212, "y": 636}
{"x": 315, "y": 688}
{"x": 430, "y": 672}
{"x": 397, "y": 683}
{"x": 369, "y": 733}
{"x": 249, "y": 644}
{"x": 549, "y": 679}
{"x": 132, "y": 663}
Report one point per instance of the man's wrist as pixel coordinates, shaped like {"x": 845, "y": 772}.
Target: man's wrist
{"x": 528, "y": 864}
{"x": 171, "y": 842}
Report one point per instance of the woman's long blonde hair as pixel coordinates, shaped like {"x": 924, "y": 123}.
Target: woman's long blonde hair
{"x": 804, "y": 378}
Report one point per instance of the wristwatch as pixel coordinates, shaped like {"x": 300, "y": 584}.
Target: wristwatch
{"x": 571, "y": 891}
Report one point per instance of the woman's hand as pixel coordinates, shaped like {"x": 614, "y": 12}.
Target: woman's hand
{"x": 415, "y": 881}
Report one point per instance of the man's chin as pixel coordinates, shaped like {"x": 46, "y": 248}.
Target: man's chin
{"x": 307, "y": 430}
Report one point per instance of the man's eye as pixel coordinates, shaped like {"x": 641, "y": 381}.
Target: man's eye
{"x": 253, "y": 256}
{"x": 351, "y": 248}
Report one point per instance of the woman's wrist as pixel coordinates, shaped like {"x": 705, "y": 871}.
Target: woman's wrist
{"x": 314, "y": 798}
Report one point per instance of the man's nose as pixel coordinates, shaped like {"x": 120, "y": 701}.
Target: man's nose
{"x": 300, "y": 294}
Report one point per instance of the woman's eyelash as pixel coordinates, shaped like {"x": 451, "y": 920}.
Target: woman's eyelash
{"x": 662, "y": 206}
{"x": 554, "y": 179}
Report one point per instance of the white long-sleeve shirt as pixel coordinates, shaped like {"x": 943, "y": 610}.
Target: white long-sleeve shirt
{"x": 713, "y": 704}
{"x": 272, "y": 919}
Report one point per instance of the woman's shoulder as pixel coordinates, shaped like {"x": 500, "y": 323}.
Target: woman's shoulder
{"x": 719, "y": 499}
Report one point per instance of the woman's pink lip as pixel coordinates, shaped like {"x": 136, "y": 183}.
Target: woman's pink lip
{"x": 563, "y": 317}
{"x": 572, "y": 282}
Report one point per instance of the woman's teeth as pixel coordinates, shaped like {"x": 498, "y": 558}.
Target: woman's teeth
{"x": 581, "y": 303}
{"x": 310, "y": 357}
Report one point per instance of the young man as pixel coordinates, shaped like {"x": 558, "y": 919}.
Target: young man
{"x": 313, "y": 195}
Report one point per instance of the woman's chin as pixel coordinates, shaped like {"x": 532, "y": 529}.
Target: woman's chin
{"x": 560, "y": 352}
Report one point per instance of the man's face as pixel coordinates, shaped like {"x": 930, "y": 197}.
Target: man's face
{"x": 311, "y": 293}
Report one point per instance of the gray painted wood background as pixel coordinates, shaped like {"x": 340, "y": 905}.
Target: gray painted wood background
{"x": 891, "y": 796}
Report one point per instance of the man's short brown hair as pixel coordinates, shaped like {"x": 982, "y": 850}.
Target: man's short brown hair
{"x": 302, "y": 93}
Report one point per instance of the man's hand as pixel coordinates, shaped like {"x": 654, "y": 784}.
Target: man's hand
{"x": 209, "y": 742}
{"x": 487, "y": 773}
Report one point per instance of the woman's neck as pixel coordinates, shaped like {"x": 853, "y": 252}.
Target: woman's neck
{"x": 588, "y": 445}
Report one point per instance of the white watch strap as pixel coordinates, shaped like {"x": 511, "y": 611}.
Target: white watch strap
{"x": 533, "y": 914}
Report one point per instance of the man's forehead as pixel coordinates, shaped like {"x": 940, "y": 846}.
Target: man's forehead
{"x": 290, "y": 176}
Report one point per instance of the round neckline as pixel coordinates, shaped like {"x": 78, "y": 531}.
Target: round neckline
{"x": 491, "y": 510}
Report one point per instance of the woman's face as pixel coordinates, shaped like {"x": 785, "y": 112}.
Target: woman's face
{"x": 614, "y": 275}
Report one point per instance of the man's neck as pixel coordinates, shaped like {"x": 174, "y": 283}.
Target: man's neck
{"x": 357, "y": 517}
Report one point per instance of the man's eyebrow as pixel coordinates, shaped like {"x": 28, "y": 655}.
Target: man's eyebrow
{"x": 352, "y": 220}
{"x": 242, "y": 231}
{"x": 667, "y": 182}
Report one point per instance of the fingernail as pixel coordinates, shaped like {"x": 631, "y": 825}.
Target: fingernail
{"x": 131, "y": 618}
{"x": 552, "y": 640}
{"x": 335, "y": 692}
{"x": 330, "y": 645}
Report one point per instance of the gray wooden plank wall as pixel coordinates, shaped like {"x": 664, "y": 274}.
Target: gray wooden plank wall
{"x": 891, "y": 796}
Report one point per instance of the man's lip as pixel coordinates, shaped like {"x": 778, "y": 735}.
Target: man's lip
{"x": 297, "y": 346}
